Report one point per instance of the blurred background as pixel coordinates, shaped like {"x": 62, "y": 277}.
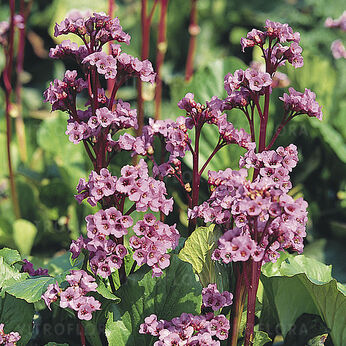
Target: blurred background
{"x": 47, "y": 167}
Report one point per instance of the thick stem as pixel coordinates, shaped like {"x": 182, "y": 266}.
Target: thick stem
{"x": 82, "y": 334}
{"x": 20, "y": 128}
{"x": 193, "y": 31}
{"x": 8, "y": 89}
{"x": 111, "y": 282}
{"x": 160, "y": 56}
{"x": 196, "y": 178}
{"x": 145, "y": 23}
{"x": 251, "y": 302}
{"x": 237, "y": 307}
{"x": 111, "y": 8}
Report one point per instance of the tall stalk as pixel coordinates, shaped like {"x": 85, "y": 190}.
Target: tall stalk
{"x": 8, "y": 90}
{"x": 160, "y": 56}
{"x": 193, "y": 31}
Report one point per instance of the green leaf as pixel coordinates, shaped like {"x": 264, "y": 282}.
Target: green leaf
{"x": 9, "y": 274}
{"x": 17, "y": 315}
{"x": 198, "y": 249}
{"x": 105, "y": 292}
{"x": 92, "y": 332}
{"x": 24, "y": 233}
{"x": 10, "y": 256}
{"x": 261, "y": 338}
{"x": 301, "y": 285}
{"x": 30, "y": 289}
{"x": 175, "y": 292}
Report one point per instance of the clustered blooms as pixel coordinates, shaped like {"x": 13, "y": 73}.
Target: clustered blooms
{"x": 28, "y": 267}
{"x": 74, "y": 296}
{"x": 153, "y": 240}
{"x": 18, "y": 22}
{"x": 278, "y": 54}
{"x": 98, "y": 26}
{"x": 337, "y": 47}
{"x": 189, "y": 329}
{"x": 8, "y": 339}
{"x": 251, "y": 80}
{"x": 337, "y": 23}
{"x": 61, "y": 94}
{"x": 302, "y": 103}
{"x": 102, "y": 118}
{"x": 176, "y": 137}
{"x": 214, "y": 299}
{"x": 134, "y": 183}
{"x": 258, "y": 217}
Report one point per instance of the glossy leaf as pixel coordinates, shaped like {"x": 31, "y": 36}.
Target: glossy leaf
{"x": 17, "y": 315}
{"x": 198, "y": 249}
{"x": 175, "y": 292}
{"x": 298, "y": 285}
{"x": 24, "y": 233}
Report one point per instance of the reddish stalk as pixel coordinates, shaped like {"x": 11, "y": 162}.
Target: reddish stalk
{"x": 8, "y": 90}
{"x": 82, "y": 334}
{"x": 20, "y": 128}
{"x": 111, "y": 9}
{"x": 193, "y": 31}
{"x": 145, "y": 23}
{"x": 160, "y": 56}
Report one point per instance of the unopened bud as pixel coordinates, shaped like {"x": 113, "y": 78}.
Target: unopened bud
{"x": 150, "y": 150}
{"x": 187, "y": 187}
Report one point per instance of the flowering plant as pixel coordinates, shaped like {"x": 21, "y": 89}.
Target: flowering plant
{"x": 133, "y": 272}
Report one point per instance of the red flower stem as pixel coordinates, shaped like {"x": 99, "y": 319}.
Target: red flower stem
{"x": 193, "y": 31}
{"x": 251, "y": 124}
{"x": 87, "y": 149}
{"x": 82, "y": 334}
{"x": 219, "y": 145}
{"x": 196, "y": 178}
{"x": 111, "y": 8}
{"x": 160, "y": 56}
{"x": 145, "y": 22}
{"x": 8, "y": 89}
{"x": 278, "y": 130}
{"x": 20, "y": 128}
{"x": 238, "y": 305}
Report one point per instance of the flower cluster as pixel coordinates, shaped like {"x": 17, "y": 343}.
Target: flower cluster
{"x": 28, "y": 267}
{"x": 187, "y": 329}
{"x": 61, "y": 94}
{"x": 103, "y": 230}
{"x": 18, "y": 21}
{"x": 338, "y": 49}
{"x": 250, "y": 79}
{"x": 98, "y": 186}
{"x": 98, "y": 26}
{"x": 132, "y": 66}
{"x": 214, "y": 299}
{"x": 302, "y": 103}
{"x": 8, "y": 339}
{"x": 74, "y": 296}
{"x": 134, "y": 183}
{"x": 69, "y": 49}
{"x": 265, "y": 219}
{"x": 276, "y": 54}
{"x": 105, "y": 64}
{"x": 337, "y": 23}
{"x": 153, "y": 240}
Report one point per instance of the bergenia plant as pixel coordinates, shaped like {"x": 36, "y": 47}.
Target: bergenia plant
{"x": 252, "y": 206}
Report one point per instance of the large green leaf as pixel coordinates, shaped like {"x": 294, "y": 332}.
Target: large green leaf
{"x": 175, "y": 292}
{"x": 198, "y": 249}
{"x": 298, "y": 285}
{"x": 24, "y": 233}
{"x": 9, "y": 274}
{"x": 30, "y": 289}
{"x": 10, "y": 256}
{"x": 17, "y": 315}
